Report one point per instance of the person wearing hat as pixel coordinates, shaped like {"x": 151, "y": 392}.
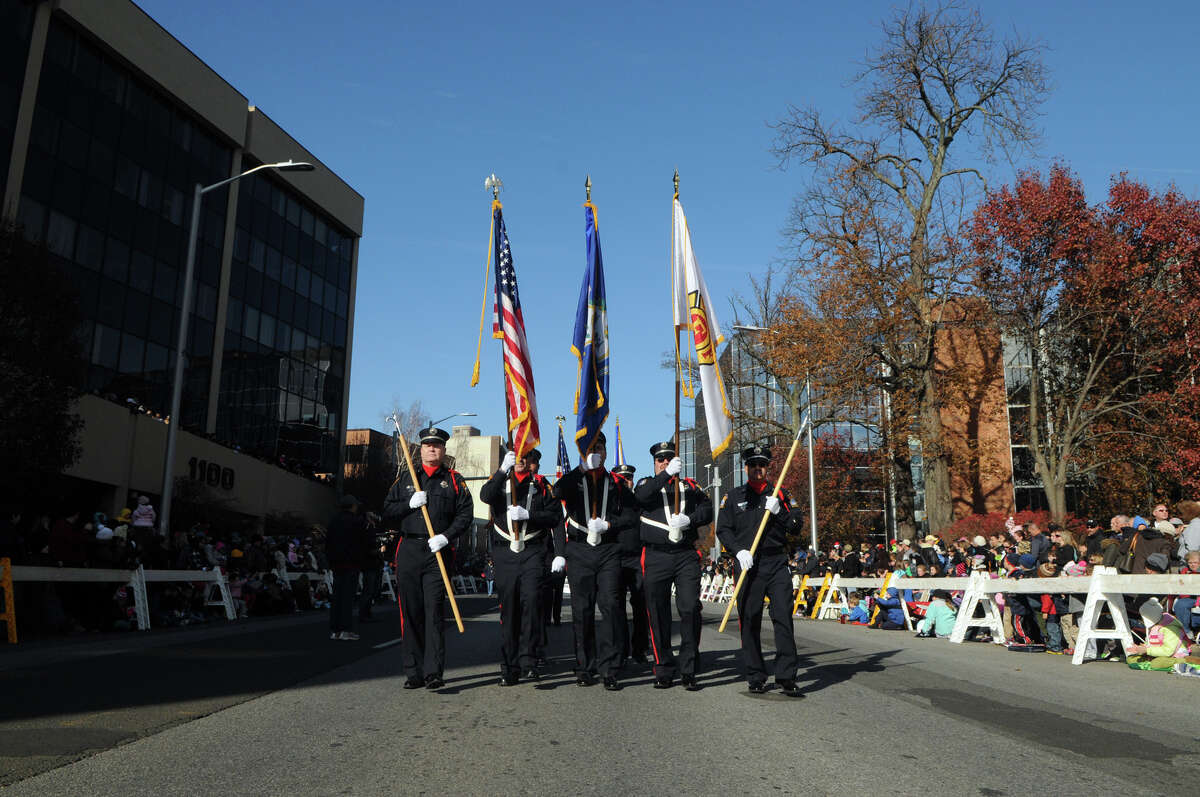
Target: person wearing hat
{"x": 523, "y": 514}
{"x": 1027, "y": 635}
{"x": 551, "y": 593}
{"x": 346, "y": 545}
{"x": 599, "y": 507}
{"x": 1145, "y": 541}
{"x": 767, "y": 575}
{"x": 1166, "y": 642}
{"x": 669, "y": 558}
{"x": 419, "y": 588}
{"x": 635, "y": 636}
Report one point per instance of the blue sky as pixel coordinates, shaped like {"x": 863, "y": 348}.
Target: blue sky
{"x": 415, "y": 106}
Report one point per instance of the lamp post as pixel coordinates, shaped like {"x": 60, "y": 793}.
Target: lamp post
{"x": 168, "y": 486}
{"x": 448, "y": 417}
{"x": 715, "y": 484}
{"x": 812, "y": 484}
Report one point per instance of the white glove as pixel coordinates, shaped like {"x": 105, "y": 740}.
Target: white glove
{"x": 558, "y": 565}
{"x": 745, "y": 559}
{"x": 773, "y": 505}
{"x": 594, "y": 461}
{"x": 674, "y": 466}
{"x": 680, "y": 521}
{"x": 518, "y": 512}
{"x": 418, "y": 499}
{"x": 597, "y": 525}
{"x": 437, "y": 542}
{"x": 510, "y": 461}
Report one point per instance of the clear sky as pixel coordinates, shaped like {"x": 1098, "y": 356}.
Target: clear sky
{"x": 415, "y": 104}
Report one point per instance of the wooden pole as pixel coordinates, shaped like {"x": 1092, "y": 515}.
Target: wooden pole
{"x": 761, "y": 526}
{"x": 412, "y": 474}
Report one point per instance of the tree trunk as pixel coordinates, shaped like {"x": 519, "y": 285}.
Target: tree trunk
{"x": 939, "y": 504}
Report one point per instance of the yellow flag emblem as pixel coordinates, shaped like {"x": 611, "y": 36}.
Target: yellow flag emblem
{"x": 705, "y": 353}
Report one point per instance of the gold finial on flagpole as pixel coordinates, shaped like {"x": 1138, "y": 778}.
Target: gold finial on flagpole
{"x": 495, "y": 184}
{"x": 676, "y": 181}
{"x": 587, "y": 184}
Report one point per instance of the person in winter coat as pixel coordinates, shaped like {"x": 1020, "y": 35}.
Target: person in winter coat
{"x": 1145, "y": 541}
{"x": 939, "y": 616}
{"x": 1166, "y": 641}
{"x": 891, "y": 618}
{"x": 1189, "y": 536}
{"x": 144, "y": 516}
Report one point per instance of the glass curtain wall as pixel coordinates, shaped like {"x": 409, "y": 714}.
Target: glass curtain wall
{"x": 16, "y": 25}
{"x": 108, "y": 185}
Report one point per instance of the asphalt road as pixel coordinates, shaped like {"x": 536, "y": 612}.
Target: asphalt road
{"x": 884, "y": 712}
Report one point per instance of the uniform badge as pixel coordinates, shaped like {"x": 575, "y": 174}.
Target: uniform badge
{"x": 741, "y": 504}
{"x": 444, "y": 483}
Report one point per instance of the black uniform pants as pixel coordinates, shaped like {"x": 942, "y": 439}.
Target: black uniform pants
{"x": 595, "y": 575}
{"x": 661, "y": 569}
{"x": 519, "y": 579}
{"x": 771, "y": 578}
{"x": 635, "y": 643}
{"x": 341, "y": 603}
{"x": 422, "y": 598}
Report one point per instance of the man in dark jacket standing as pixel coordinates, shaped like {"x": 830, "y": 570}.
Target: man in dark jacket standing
{"x": 523, "y": 513}
{"x": 669, "y": 557}
{"x": 419, "y": 588}
{"x": 345, "y": 547}
{"x": 767, "y": 573}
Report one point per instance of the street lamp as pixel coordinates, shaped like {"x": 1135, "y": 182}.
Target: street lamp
{"x": 812, "y": 484}
{"x": 168, "y": 486}
{"x": 448, "y": 417}
{"x": 713, "y": 470}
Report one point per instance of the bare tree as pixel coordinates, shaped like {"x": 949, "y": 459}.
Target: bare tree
{"x": 939, "y": 98}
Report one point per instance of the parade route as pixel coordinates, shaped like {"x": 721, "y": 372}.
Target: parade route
{"x": 926, "y": 716}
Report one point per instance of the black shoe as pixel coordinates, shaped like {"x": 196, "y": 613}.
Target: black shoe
{"x": 434, "y": 682}
{"x": 584, "y": 679}
{"x": 689, "y": 683}
{"x": 414, "y": 683}
{"x": 531, "y": 675}
{"x": 790, "y": 689}
{"x": 758, "y": 687}
{"x": 663, "y": 683}
{"x": 611, "y": 684}
{"x": 508, "y": 680}
{"x": 640, "y": 658}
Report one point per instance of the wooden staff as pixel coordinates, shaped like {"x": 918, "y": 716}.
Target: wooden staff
{"x": 761, "y": 526}
{"x": 412, "y": 473}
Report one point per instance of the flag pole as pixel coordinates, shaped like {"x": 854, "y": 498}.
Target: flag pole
{"x": 494, "y": 183}
{"x": 763, "y": 524}
{"x": 412, "y": 474}
{"x": 675, "y": 332}
{"x": 587, "y": 187}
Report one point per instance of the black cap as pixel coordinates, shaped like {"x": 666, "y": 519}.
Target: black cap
{"x": 756, "y": 454}
{"x": 624, "y": 470}
{"x": 664, "y": 449}
{"x": 434, "y": 435}
{"x": 533, "y": 455}
{"x": 1092, "y": 524}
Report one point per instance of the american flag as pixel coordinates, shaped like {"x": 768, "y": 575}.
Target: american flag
{"x": 564, "y": 459}
{"x": 508, "y": 324}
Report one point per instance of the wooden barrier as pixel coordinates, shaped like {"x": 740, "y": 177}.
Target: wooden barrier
{"x": 6, "y": 589}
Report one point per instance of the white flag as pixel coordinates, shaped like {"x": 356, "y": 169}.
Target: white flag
{"x": 692, "y": 310}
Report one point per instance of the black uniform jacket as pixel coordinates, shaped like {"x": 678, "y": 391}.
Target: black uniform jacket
{"x": 447, "y": 498}
{"x": 622, "y": 511}
{"x": 693, "y": 502}
{"x": 741, "y": 512}
{"x": 544, "y": 511}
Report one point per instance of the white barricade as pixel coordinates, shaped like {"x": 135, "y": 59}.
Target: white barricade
{"x": 215, "y": 577}
{"x": 902, "y": 583}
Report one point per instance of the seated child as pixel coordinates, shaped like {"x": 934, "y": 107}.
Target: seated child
{"x": 939, "y": 616}
{"x": 1166, "y": 641}
{"x": 856, "y": 613}
{"x": 891, "y": 618}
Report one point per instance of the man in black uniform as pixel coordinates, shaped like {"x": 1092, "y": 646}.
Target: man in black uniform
{"x": 419, "y": 587}
{"x": 670, "y": 557}
{"x": 634, "y": 644}
{"x": 767, "y": 573}
{"x": 600, "y": 506}
{"x": 520, "y": 536}
{"x": 548, "y": 601}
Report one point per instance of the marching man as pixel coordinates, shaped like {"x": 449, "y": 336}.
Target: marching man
{"x": 669, "y": 557}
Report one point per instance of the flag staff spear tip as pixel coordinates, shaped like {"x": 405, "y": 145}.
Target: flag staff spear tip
{"x": 587, "y": 185}
{"x": 676, "y": 181}
{"x": 495, "y": 184}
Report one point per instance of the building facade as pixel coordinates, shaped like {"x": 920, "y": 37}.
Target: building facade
{"x": 107, "y": 122}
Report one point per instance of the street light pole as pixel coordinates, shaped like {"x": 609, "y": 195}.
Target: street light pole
{"x": 173, "y": 420}
{"x": 448, "y": 417}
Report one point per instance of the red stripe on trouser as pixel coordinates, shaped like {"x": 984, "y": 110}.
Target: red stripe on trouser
{"x": 649, "y": 619}
{"x": 399, "y": 604}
